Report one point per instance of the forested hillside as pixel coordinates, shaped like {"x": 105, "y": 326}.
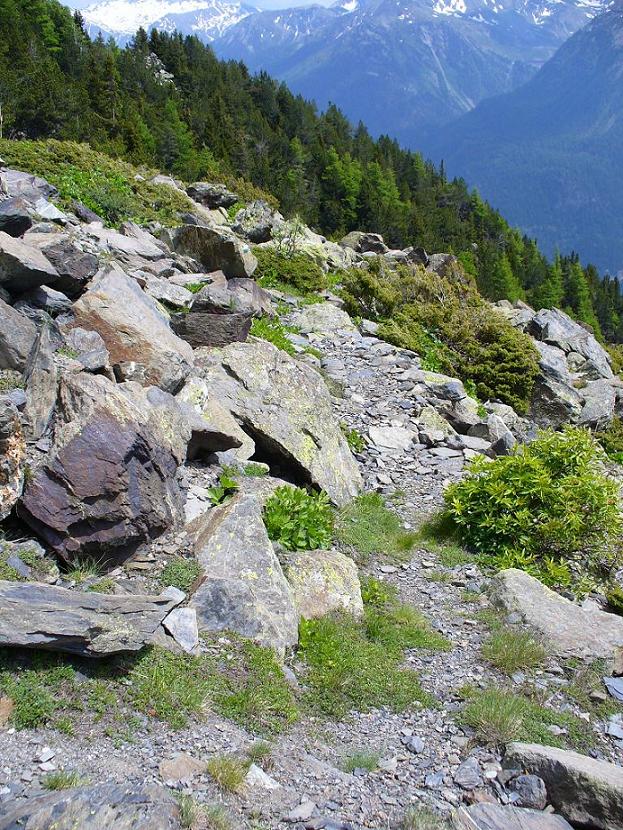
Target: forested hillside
{"x": 167, "y": 101}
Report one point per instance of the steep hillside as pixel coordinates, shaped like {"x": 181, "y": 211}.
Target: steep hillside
{"x": 548, "y": 155}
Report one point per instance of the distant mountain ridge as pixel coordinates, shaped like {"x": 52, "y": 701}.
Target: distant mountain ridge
{"x": 549, "y": 154}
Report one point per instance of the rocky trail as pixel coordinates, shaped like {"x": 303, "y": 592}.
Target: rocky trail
{"x": 130, "y": 398}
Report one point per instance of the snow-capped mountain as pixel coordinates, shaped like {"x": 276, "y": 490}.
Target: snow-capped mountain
{"x": 404, "y": 65}
{"x": 208, "y": 19}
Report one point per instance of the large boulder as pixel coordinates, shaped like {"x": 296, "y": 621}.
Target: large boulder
{"x": 285, "y": 407}
{"x": 41, "y": 378}
{"x": 363, "y": 243}
{"x": 323, "y": 581}
{"x": 587, "y": 792}
{"x": 133, "y": 329}
{"x": 15, "y": 216}
{"x": 35, "y": 615}
{"x": 244, "y": 589}
{"x": 23, "y": 266}
{"x": 212, "y": 195}
{"x": 221, "y": 312}
{"x": 215, "y": 249}
{"x": 113, "y": 806}
{"x": 74, "y": 267}
{"x": 257, "y": 222}
{"x": 17, "y": 337}
{"x": 553, "y": 326}
{"x": 323, "y": 318}
{"x": 569, "y": 629}
{"x": 497, "y": 817}
{"x": 555, "y": 403}
{"x": 31, "y": 188}
{"x": 12, "y": 457}
{"x": 109, "y": 483}
{"x": 126, "y": 247}
{"x": 599, "y": 404}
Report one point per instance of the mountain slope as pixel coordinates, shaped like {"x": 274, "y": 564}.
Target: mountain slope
{"x": 401, "y": 65}
{"x": 549, "y": 154}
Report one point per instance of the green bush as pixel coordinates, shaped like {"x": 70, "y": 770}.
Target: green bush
{"x": 611, "y": 439}
{"x": 447, "y": 322}
{"x": 545, "y": 508}
{"x": 298, "y": 270}
{"x": 299, "y": 519}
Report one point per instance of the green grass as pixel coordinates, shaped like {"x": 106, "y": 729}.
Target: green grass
{"x": 254, "y": 470}
{"x": 360, "y": 759}
{"x": 442, "y": 577}
{"x": 103, "y": 586}
{"x": 438, "y": 536}
{"x": 299, "y": 519}
{"x": 61, "y": 780}
{"x": 216, "y": 817}
{"x": 259, "y": 751}
{"x": 38, "y": 693}
{"x": 422, "y": 818}
{"x": 500, "y": 716}
{"x": 41, "y": 567}
{"x": 181, "y": 572}
{"x": 513, "y": 649}
{"x": 358, "y": 665}
{"x": 272, "y": 330}
{"x": 104, "y": 185}
{"x": 86, "y": 569}
{"x": 587, "y": 678}
{"x": 228, "y": 771}
{"x": 189, "y": 811}
{"x": 366, "y": 526}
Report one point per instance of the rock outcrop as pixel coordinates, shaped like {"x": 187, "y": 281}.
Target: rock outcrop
{"x": 585, "y": 791}
{"x": 215, "y": 249}
{"x": 323, "y": 581}
{"x": 23, "y": 267}
{"x": 285, "y": 407}
{"x": 568, "y": 629}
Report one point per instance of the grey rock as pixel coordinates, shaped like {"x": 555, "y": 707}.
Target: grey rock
{"x": 125, "y": 248}
{"x": 323, "y": 318}
{"x": 392, "y": 438}
{"x": 244, "y": 589}
{"x": 468, "y": 775}
{"x": 17, "y": 338}
{"x": 216, "y": 249}
{"x": 12, "y": 457}
{"x": 323, "y": 581}
{"x": 22, "y": 266}
{"x": 553, "y": 362}
{"x": 18, "y": 183}
{"x": 555, "y": 403}
{"x": 181, "y": 624}
{"x": 89, "y": 347}
{"x": 615, "y": 687}
{"x": 285, "y": 407}
{"x": 362, "y": 243}
{"x": 586, "y": 792}
{"x": 113, "y": 806}
{"x": 35, "y": 615}
{"x": 47, "y": 299}
{"x": 598, "y": 409}
{"x": 531, "y": 790}
{"x": 568, "y": 629}
{"x": 558, "y": 329}
{"x": 133, "y": 328}
{"x": 496, "y": 817}
{"x": 15, "y": 217}
{"x": 41, "y": 376}
{"x": 257, "y": 222}
{"x": 74, "y": 267}
{"x": 166, "y": 292}
{"x": 212, "y": 195}
{"x": 49, "y": 212}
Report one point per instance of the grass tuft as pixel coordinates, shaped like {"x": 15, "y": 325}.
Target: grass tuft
{"x": 228, "y": 771}
{"x": 422, "y": 818}
{"x": 180, "y": 572}
{"x": 367, "y": 526}
{"x": 361, "y": 759}
{"x": 61, "y": 780}
{"x": 513, "y": 649}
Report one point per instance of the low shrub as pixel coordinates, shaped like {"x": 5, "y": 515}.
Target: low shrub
{"x": 547, "y": 508}
{"x": 448, "y": 323}
{"x": 611, "y": 439}
{"x": 299, "y": 519}
{"x": 297, "y": 270}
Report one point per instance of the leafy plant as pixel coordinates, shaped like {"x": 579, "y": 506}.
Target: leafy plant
{"x": 224, "y": 490}
{"x": 354, "y": 439}
{"x": 299, "y": 519}
{"x": 540, "y": 508}
{"x": 614, "y": 598}
{"x": 611, "y": 439}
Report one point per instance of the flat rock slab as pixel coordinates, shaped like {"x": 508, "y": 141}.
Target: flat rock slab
{"x": 496, "y": 817}
{"x": 23, "y": 267}
{"x": 588, "y": 793}
{"x": 35, "y": 615}
{"x": 110, "y": 806}
{"x": 323, "y": 318}
{"x": 568, "y": 629}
